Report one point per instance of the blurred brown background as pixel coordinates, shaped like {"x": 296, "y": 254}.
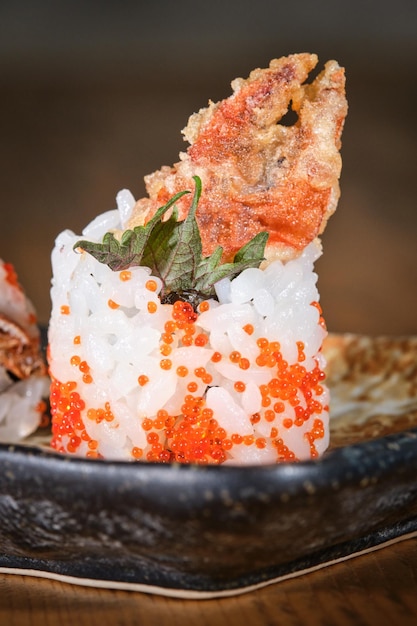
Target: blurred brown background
{"x": 94, "y": 95}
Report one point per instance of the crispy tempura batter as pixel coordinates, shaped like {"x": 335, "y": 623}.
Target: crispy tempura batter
{"x": 258, "y": 174}
{"x": 19, "y": 354}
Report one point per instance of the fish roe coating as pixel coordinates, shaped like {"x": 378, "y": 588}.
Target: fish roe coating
{"x": 194, "y": 435}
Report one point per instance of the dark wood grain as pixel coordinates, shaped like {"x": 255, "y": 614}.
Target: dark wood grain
{"x": 374, "y": 589}
{"x": 70, "y": 144}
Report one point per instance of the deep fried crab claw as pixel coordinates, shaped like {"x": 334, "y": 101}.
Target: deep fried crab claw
{"x": 20, "y": 353}
{"x": 24, "y": 384}
{"x": 258, "y": 172}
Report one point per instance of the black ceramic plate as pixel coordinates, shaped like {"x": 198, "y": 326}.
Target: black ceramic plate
{"x": 195, "y": 531}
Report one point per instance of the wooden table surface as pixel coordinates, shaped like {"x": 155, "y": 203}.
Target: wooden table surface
{"x": 377, "y": 589}
{"x": 67, "y": 148}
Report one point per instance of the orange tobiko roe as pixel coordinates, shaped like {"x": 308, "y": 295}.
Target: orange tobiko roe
{"x": 195, "y": 436}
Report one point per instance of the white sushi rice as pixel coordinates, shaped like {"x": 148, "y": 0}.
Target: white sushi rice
{"x": 105, "y": 337}
{"x": 20, "y": 415}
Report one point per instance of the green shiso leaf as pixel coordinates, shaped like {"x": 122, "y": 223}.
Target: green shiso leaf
{"x": 128, "y": 252}
{"x": 173, "y": 251}
{"x": 210, "y": 272}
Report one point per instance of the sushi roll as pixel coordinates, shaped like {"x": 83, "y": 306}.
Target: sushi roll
{"x": 186, "y": 326}
{"x": 24, "y": 384}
